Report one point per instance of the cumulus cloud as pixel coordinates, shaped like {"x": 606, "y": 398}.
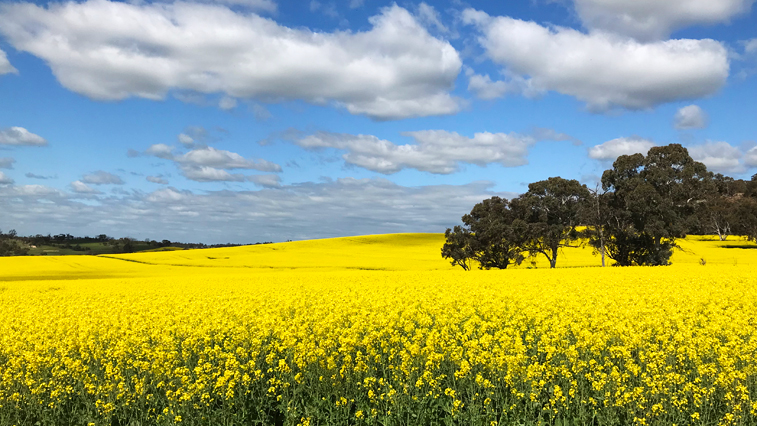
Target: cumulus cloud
{"x": 210, "y": 174}
{"x": 601, "y": 69}
{"x": 690, "y": 117}
{"x": 222, "y": 159}
{"x": 110, "y": 50}
{"x": 19, "y": 136}
{"x": 208, "y": 164}
{"x": 157, "y": 179}
{"x": 613, "y": 149}
{"x": 161, "y": 150}
{"x": 80, "y": 187}
{"x": 30, "y": 195}
{"x": 186, "y": 139}
{"x": 7, "y": 162}
{"x": 266, "y": 181}
{"x": 434, "y": 151}
{"x": 5, "y": 179}
{"x": 750, "y": 157}
{"x": 718, "y": 157}
{"x": 102, "y": 178}
{"x": 335, "y": 208}
{"x": 485, "y": 88}
{"x": 5, "y": 65}
{"x": 196, "y": 137}
{"x": 654, "y": 19}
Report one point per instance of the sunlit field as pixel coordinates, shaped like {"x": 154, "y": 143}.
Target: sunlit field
{"x": 378, "y": 330}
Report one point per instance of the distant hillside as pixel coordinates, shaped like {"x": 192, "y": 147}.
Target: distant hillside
{"x": 413, "y": 252}
{"x": 12, "y": 244}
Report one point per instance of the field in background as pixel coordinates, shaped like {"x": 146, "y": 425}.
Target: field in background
{"x": 377, "y": 330}
{"x": 393, "y": 252}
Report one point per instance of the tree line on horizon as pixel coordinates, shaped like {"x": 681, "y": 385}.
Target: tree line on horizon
{"x": 12, "y": 244}
{"x": 644, "y": 203}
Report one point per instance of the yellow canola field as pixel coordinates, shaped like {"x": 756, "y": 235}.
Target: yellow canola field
{"x": 380, "y": 334}
{"x": 410, "y": 252}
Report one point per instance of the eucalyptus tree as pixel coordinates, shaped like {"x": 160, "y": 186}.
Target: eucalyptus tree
{"x": 552, "y": 210}
{"x": 652, "y": 200}
{"x": 491, "y": 236}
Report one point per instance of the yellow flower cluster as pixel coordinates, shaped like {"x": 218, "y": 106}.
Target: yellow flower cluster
{"x": 136, "y": 343}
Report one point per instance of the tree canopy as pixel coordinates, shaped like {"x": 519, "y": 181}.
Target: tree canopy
{"x": 646, "y": 203}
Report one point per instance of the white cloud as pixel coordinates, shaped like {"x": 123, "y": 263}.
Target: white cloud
{"x": 690, "y": 117}
{"x": 5, "y": 65}
{"x": 111, "y": 50}
{"x": 157, "y": 179}
{"x": 221, "y": 159}
{"x": 210, "y": 174}
{"x": 20, "y": 136}
{"x": 186, "y": 140}
{"x": 655, "y": 19}
{"x": 718, "y": 157}
{"x": 435, "y": 151}
{"x": 612, "y": 149}
{"x": 5, "y": 179}
{"x": 102, "y": 178}
{"x": 430, "y": 17}
{"x": 354, "y": 4}
{"x": 7, "y": 162}
{"x": 208, "y": 164}
{"x": 227, "y": 103}
{"x": 750, "y": 157}
{"x": 80, "y": 187}
{"x": 604, "y": 70}
{"x": 266, "y": 181}
{"x": 485, "y": 88}
{"x": 29, "y": 196}
{"x": 161, "y": 150}
{"x": 750, "y": 46}
{"x": 308, "y": 210}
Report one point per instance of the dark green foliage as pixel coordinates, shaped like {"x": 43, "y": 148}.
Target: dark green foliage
{"x": 647, "y": 203}
{"x": 10, "y": 246}
{"x": 651, "y": 201}
{"x": 491, "y": 236}
{"x": 460, "y": 247}
{"x": 497, "y": 232}
{"x": 552, "y": 210}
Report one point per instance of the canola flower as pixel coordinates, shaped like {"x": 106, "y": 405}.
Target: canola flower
{"x": 155, "y": 344}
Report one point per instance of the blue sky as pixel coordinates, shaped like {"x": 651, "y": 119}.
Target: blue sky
{"x": 263, "y": 120}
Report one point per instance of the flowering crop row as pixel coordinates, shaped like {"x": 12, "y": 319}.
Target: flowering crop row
{"x": 205, "y": 346}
